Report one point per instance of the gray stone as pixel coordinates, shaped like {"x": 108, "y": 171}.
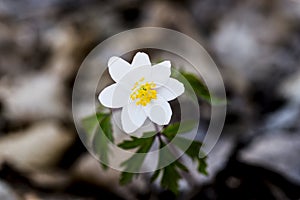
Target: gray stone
{"x": 278, "y": 151}
{"x": 6, "y": 193}
{"x": 36, "y": 148}
{"x": 35, "y": 96}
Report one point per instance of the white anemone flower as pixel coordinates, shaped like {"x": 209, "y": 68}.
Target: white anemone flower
{"x": 142, "y": 91}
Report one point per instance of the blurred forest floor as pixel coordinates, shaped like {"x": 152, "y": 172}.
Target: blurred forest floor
{"x": 255, "y": 43}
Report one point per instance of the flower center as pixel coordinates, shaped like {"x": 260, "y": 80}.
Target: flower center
{"x": 143, "y": 93}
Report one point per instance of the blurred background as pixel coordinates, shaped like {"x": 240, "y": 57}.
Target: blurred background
{"x": 255, "y": 43}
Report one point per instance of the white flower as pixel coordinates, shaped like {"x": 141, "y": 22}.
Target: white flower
{"x": 141, "y": 90}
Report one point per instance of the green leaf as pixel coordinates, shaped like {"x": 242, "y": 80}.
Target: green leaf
{"x": 170, "y": 179}
{"x": 198, "y": 86}
{"x": 200, "y": 89}
{"x": 155, "y": 176}
{"x": 202, "y": 166}
{"x": 131, "y": 144}
{"x": 135, "y": 162}
{"x": 192, "y": 151}
{"x": 170, "y": 173}
{"x": 100, "y": 146}
{"x": 106, "y": 126}
{"x": 136, "y": 142}
{"x": 126, "y": 177}
{"x": 99, "y": 134}
{"x": 103, "y": 137}
{"x": 193, "y": 146}
{"x": 178, "y": 128}
{"x": 90, "y": 124}
{"x": 181, "y": 166}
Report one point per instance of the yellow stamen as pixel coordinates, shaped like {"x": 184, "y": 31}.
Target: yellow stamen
{"x": 143, "y": 93}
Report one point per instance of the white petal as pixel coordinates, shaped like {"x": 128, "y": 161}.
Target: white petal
{"x": 127, "y": 124}
{"x": 141, "y": 60}
{"x": 114, "y": 96}
{"x": 136, "y": 114}
{"x": 159, "y": 111}
{"x": 117, "y": 68}
{"x": 171, "y": 89}
{"x": 161, "y": 72}
{"x": 135, "y": 75}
